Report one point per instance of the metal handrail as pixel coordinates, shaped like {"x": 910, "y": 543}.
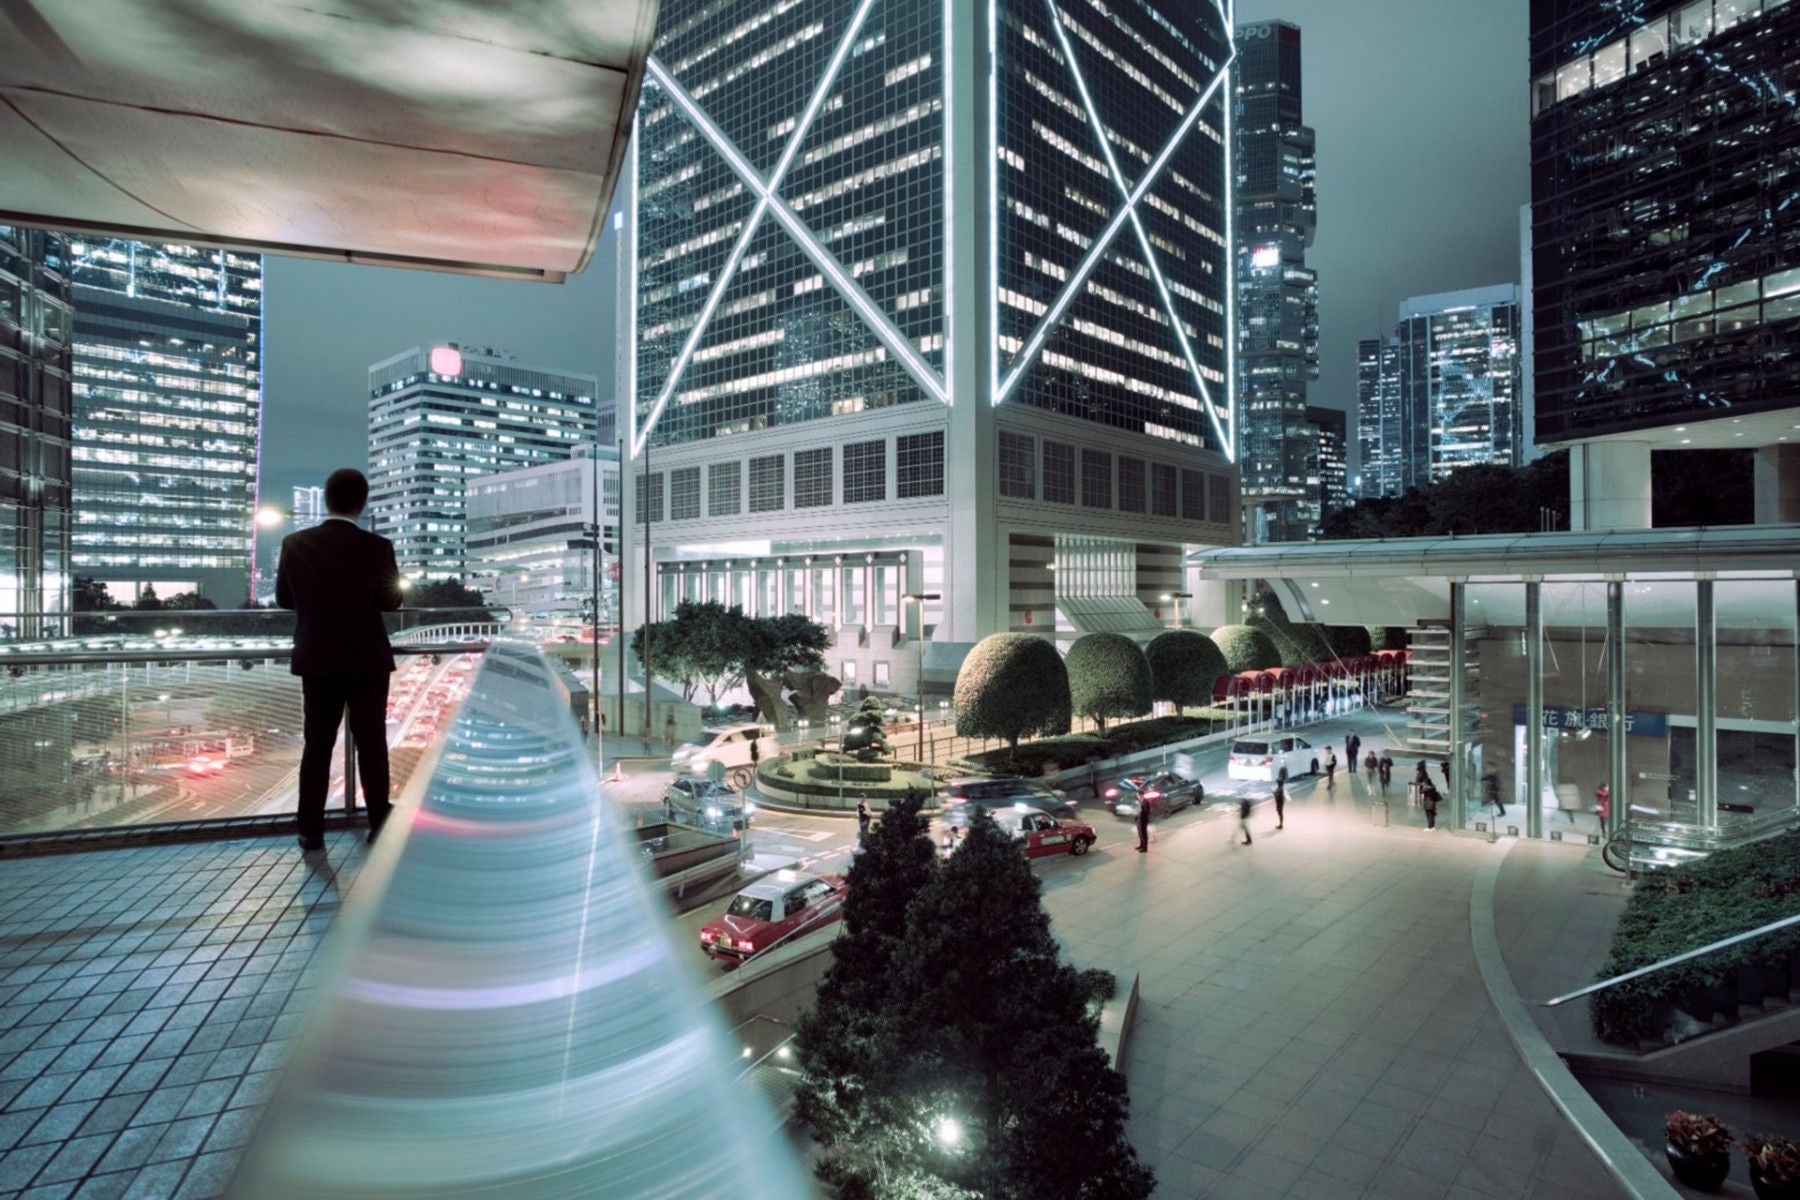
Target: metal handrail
{"x": 70, "y": 658}
{"x": 1654, "y": 967}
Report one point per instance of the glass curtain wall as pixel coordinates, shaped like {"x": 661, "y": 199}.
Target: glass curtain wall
{"x": 1754, "y": 704}
{"x": 1576, "y": 732}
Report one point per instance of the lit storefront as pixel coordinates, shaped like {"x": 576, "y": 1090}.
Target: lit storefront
{"x": 1587, "y": 672}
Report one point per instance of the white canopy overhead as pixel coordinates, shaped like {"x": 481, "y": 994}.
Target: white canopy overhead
{"x": 477, "y": 136}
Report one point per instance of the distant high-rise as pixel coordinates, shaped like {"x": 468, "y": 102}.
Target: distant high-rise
{"x": 1327, "y": 462}
{"x": 168, "y": 416}
{"x": 1666, "y": 249}
{"x": 913, "y": 370}
{"x": 531, "y": 545}
{"x": 309, "y": 507}
{"x": 1443, "y": 393}
{"x": 36, "y": 364}
{"x": 1379, "y": 436}
{"x": 442, "y": 416}
{"x": 1278, "y": 295}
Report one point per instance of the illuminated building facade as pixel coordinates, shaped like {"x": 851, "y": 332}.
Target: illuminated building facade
{"x": 895, "y": 326}
{"x": 1665, "y": 250}
{"x": 309, "y": 507}
{"x": 36, "y": 365}
{"x": 1277, "y": 293}
{"x": 530, "y": 545}
{"x": 1327, "y": 463}
{"x": 1443, "y": 393}
{"x": 168, "y": 417}
{"x": 443, "y": 416}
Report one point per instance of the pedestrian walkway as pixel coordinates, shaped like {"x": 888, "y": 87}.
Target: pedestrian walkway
{"x": 1312, "y": 1023}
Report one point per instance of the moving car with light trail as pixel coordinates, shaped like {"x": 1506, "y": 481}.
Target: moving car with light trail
{"x": 1164, "y": 792}
{"x": 1261, "y": 758}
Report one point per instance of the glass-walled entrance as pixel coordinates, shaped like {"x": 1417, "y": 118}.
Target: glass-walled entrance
{"x": 1670, "y": 701}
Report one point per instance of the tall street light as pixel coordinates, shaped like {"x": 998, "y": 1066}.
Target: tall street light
{"x": 1177, "y": 598}
{"x": 920, "y": 598}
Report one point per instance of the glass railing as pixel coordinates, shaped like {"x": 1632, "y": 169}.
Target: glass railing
{"x": 170, "y": 724}
{"x": 507, "y": 1012}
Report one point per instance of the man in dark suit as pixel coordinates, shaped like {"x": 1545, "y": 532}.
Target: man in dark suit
{"x": 339, "y": 578}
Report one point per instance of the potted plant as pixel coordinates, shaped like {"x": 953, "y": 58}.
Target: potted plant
{"x": 1774, "y": 1167}
{"x": 1699, "y": 1149}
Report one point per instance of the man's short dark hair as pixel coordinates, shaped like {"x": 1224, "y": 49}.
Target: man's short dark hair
{"x": 346, "y": 492}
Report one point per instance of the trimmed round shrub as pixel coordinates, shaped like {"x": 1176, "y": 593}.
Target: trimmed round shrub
{"x": 1245, "y": 648}
{"x": 1184, "y": 665}
{"x": 1108, "y": 677}
{"x": 1012, "y": 685}
{"x": 1296, "y": 644}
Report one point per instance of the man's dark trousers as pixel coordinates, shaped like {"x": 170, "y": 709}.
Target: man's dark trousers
{"x": 325, "y": 700}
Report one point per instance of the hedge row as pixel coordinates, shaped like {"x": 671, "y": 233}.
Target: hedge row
{"x": 1049, "y": 755}
{"x": 1729, "y": 892}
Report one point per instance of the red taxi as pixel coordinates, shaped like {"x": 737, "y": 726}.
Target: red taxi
{"x": 770, "y": 910}
{"x": 201, "y": 767}
{"x": 1041, "y": 834}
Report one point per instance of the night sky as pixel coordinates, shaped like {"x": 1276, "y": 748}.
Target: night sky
{"x": 1420, "y": 108}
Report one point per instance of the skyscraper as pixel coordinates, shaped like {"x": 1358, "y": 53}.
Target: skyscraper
{"x": 1666, "y": 254}
{"x": 1327, "y": 462}
{"x": 442, "y": 416}
{"x": 309, "y": 507}
{"x": 1379, "y": 438}
{"x": 36, "y": 364}
{"x": 530, "y": 547}
{"x": 882, "y": 346}
{"x": 1278, "y": 294}
{"x": 1443, "y": 392}
{"x": 168, "y": 416}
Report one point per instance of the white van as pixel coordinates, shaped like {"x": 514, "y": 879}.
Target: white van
{"x": 729, "y": 747}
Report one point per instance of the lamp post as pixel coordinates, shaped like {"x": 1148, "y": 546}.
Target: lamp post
{"x": 920, "y": 598}
{"x": 1176, "y": 598}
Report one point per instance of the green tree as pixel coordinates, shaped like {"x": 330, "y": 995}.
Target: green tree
{"x": 444, "y": 593}
{"x": 88, "y": 595}
{"x": 1245, "y": 648}
{"x": 1387, "y": 637}
{"x": 147, "y": 600}
{"x": 1011, "y": 685}
{"x": 1348, "y": 641}
{"x": 1002, "y": 1040}
{"x": 851, "y": 1050}
{"x": 1108, "y": 677}
{"x": 1184, "y": 665}
{"x": 189, "y": 602}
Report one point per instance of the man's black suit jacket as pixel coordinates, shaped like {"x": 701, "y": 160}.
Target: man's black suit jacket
{"x": 339, "y": 579}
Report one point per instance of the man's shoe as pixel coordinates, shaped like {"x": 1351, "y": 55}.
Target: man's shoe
{"x": 310, "y": 844}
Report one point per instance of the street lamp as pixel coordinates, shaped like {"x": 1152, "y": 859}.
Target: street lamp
{"x": 920, "y": 598}
{"x": 1177, "y": 598}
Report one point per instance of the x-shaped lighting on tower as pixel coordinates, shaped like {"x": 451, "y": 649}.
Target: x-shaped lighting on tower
{"x": 1118, "y": 176}
{"x": 1126, "y": 214}
{"x": 770, "y": 201}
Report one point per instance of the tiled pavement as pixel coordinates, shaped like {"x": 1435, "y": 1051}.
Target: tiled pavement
{"x": 1312, "y": 1022}
{"x": 147, "y": 999}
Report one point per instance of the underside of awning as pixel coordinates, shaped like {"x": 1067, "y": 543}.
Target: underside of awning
{"x": 475, "y": 136}
{"x": 1109, "y": 614}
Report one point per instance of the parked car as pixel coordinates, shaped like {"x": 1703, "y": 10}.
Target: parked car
{"x": 1042, "y": 834}
{"x": 1165, "y": 793}
{"x": 729, "y": 747}
{"x": 698, "y": 801}
{"x": 783, "y": 905}
{"x": 1261, "y": 758}
{"x": 959, "y": 794}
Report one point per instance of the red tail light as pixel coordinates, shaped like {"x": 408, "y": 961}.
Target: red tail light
{"x": 1267, "y": 762}
{"x": 745, "y": 945}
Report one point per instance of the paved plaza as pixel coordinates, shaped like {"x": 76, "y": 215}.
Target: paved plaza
{"x": 1312, "y": 1022}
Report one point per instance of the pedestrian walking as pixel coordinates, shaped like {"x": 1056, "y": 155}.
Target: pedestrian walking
{"x": 1330, "y": 768}
{"x": 339, "y": 578}
{"x": 950, "y": 839}
{"x": 669, "y": 734}
{"x": 1429, "y": 797}
{"x": 1355, "y": 749}
{"x": 1444, "y": 766}
{"x": 584, "y": 727}
{"x": 1280, "y": 805}
{"x": 1244, "y": 818}
{"x": 1370, "y": 765}
{"x": 862, "y": 814}
{"x": 1386, "y": 768}
{"x": 755, "y": 754}
{"x": 1602, "y": 803}
{"x": 1350, "y": 747}
{"x": 1143, "y": 825}
{"x": 1421, "y": 776}
{"x": 1490, "y": 784}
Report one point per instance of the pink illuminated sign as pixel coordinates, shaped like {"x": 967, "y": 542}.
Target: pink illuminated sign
{"x": 446, "y": 360}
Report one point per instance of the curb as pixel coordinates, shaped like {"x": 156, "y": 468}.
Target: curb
{"x": 1618, "y": 1154}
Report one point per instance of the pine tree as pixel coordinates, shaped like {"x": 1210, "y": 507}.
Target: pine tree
{"x": 1003, "y": 1039}
{"x": 850, "y": 1046}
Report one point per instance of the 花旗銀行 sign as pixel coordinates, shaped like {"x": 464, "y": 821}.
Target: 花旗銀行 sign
{"x": 1559, "y": 716}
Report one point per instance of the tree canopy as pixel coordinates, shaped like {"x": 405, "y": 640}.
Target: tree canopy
{"x": 921, "y": 1080}
{"x": 1245, "y": 648}
{"x": 1108, "y": 677}
{"x": 1184, "y": 665}
{"x": 707, "y": 646}
{"x": 443, "y": 593}
{"x": 1011, "y": 685}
